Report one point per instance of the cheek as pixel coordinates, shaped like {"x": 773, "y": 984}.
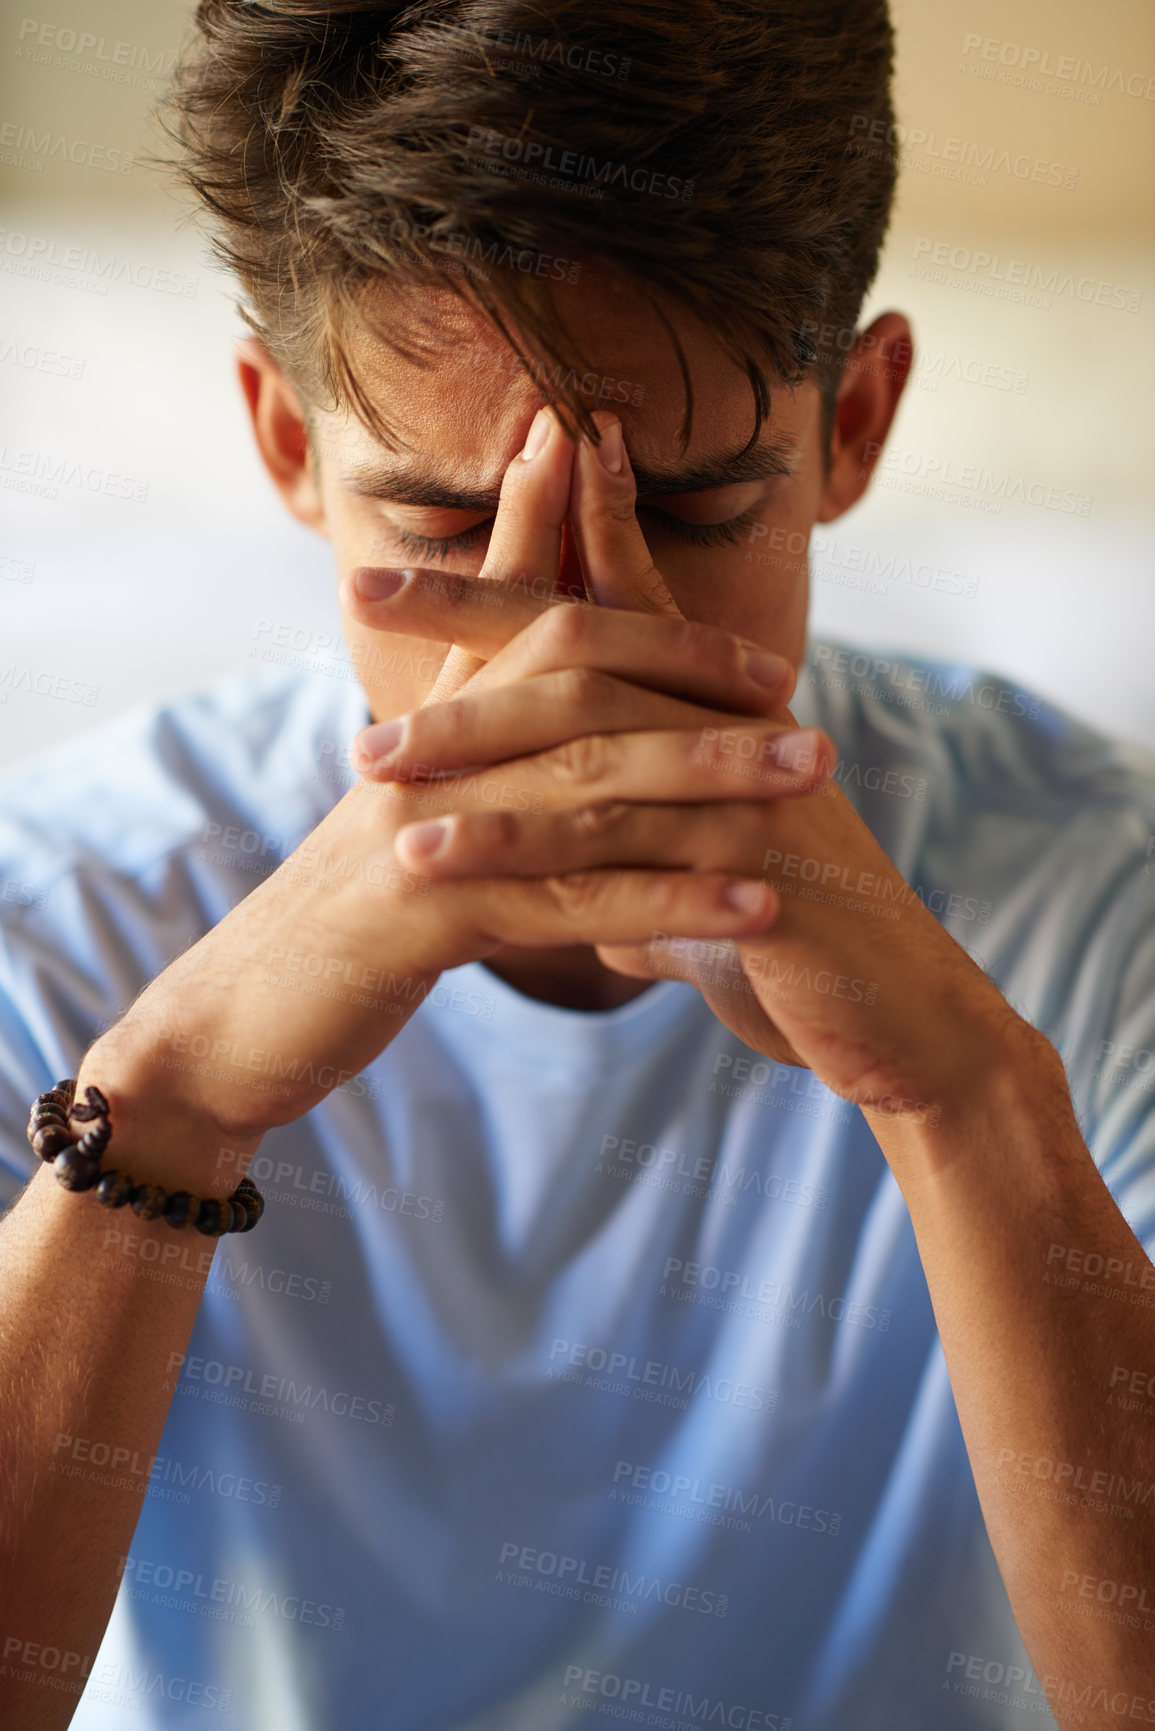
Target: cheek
{"x": 397, "y": 673}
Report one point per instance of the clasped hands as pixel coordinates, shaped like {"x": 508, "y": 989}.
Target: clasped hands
{"x": 638, "y": 776}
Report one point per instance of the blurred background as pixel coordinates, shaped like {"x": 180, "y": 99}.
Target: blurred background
{"x": 143, "y": 551}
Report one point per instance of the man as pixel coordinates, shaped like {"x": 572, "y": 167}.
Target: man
{"x": 692, "y": 1287}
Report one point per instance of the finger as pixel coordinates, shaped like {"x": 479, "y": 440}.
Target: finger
{"x": 616, "y": 560}
{"x": 685, "y": 658}
{"x": 717, "y": 838}
{"x": 706, "y": 765}
{"x": 612, "y": 907}
{"x": 525, "y": 545}
{"x": 493, "y": 725}
{"x": 524, "y": 553}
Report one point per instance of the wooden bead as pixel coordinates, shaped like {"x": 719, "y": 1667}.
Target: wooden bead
{"x": 248, "y": 1205}
{"x": 212, "y": 1217}
{"x": 50, "y": 1140}
{"x": 95, "y": 1141}
{"x": 181, "y": 1208}
{"x": 238, "y": 1215}
{"x": 74, "y": 1171}
{"x": 47, "y": 1114}
{"x": 147, "y": 1201}
{"x": 114, "y": 1189}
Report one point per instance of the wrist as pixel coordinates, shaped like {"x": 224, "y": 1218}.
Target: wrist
{"x": 1004, "y": 1125}
{"x": 159, "y": 1134}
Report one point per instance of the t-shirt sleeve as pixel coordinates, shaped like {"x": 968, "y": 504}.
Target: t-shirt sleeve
{"x": 25, "y": 1071}
{"x": 1119, "y": 1122}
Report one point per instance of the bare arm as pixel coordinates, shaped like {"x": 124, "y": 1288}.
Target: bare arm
{"x": 92, "y": 1302}
{"x": 224, "y": 1045}
{"x": 1045, "y": 1302}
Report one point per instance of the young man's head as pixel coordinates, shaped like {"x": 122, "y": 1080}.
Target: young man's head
{"x": 447, "y": 214}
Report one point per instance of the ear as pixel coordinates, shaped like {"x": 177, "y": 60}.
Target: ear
{"x": 873, "y": 378}
{"x": 282, "y": 437}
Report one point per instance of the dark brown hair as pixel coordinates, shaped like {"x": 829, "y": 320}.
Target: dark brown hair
{"x": 702, "y": 148}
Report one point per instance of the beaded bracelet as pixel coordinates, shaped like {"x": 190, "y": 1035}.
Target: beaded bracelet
{"x": 76, "y": 1162}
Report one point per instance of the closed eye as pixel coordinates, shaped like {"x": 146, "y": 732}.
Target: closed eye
{"x": 695, "y": 534}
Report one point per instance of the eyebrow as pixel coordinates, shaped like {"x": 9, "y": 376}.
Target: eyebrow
{"x": 401, "y": 484}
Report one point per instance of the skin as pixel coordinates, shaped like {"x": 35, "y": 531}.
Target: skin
{"x": 471, "y": 416}
{"x": 618, "y": 726}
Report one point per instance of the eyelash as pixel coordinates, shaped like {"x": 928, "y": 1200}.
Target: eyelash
{"x": 696, "y": 534}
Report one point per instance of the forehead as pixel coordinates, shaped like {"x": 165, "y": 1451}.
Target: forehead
{"x": 460, "y": 391}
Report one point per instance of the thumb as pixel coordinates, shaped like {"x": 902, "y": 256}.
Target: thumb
{"x": 619, "y": 571}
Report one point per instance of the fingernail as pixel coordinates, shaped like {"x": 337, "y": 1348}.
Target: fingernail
{"x": 374, "y": 584}
{"x": 425, "y": 839}
{"x": 744, "y": 895}
{"x": 610, "y": 447}
{"x": 537, "y": 436}
{"x": 767, "y": 669}
{"x": 381, "y": 740}
{"x": 803, "y": 751}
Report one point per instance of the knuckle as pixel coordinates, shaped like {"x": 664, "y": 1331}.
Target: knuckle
{"x": 701, "y": 645}
{"x": 585, "y": 761}
{"x": 578, "y": 687}
{"x": 621, "y": 507}
{"x": 496, "y": 831}
{"x": 574, "y": 894}
{"x": 562, "y": 630}
{"x": 595, "y": 822}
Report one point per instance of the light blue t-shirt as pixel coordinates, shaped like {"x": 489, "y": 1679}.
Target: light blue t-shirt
{"x": 582, "y": 1362}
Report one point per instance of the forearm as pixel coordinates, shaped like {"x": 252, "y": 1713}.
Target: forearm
{"x": 92, "y": 1304}
{"x": 1007, "y": 1207}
